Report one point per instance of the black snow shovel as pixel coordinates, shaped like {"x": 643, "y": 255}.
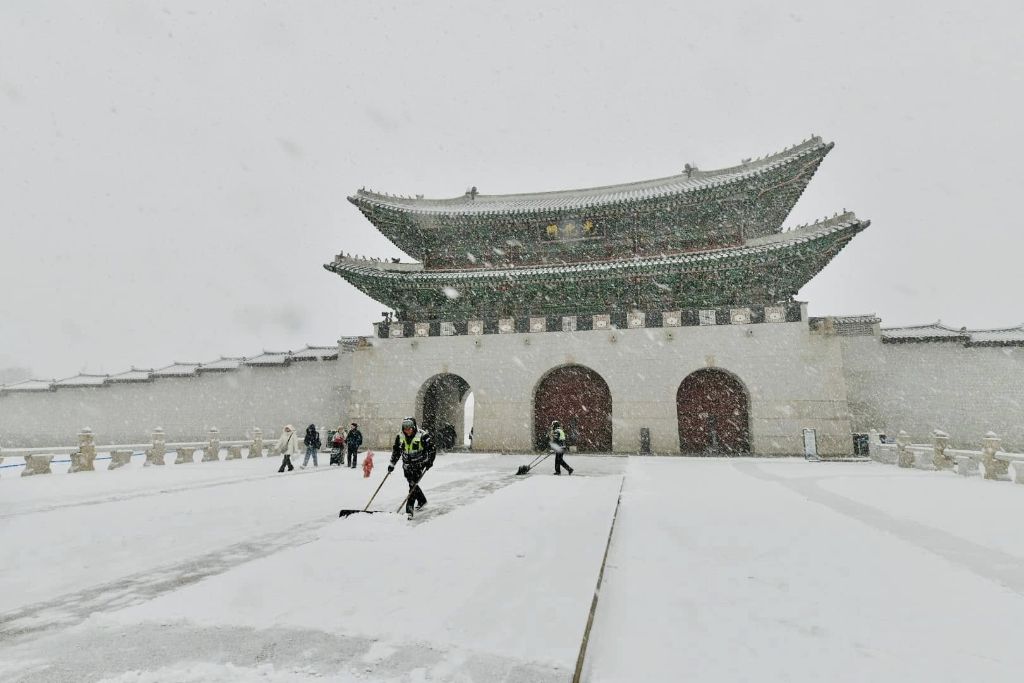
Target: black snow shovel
{"x": 367, "y": 510}
{"x": 525, "y": 469}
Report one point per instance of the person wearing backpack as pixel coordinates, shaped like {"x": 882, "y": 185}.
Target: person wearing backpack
{"x": 287, "y": 447}
{"x": 312, "y": 443}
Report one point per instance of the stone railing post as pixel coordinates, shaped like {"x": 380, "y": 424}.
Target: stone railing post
{"x": 940, "y": 441}
{"x": 256, "y": 448}
{"x": 82, "y": 460}
{"x": 155, "y": 453}
{"x": 185, "y": 456}
{"x": 904, "y": 456}
{"x": 212, "y": 451}
{"x": 993, "y": 467}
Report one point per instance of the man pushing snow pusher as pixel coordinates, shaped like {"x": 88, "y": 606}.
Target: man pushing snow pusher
{"x": 557, "y": 444}
{"x": 416, "y": 449}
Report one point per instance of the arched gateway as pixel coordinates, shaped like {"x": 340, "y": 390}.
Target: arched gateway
{"x": 580, "y": 399}
{"x": 441, "y": 406}
{"x": 714, "y": 414}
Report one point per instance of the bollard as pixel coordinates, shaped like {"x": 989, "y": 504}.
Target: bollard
{"x": 82, "y": 460}
{"x": 186, "y": 455}
{"x": 992, "y": 467}
{"x": 940, "y": 441}
{"x": 904, "y": 457}
{"x": 212, "y": 451}
{"x": 155, "y": 453}
{"x": 256, "y": 448}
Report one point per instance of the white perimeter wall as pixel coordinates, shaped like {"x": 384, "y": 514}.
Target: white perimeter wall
{"x": 794, "y": 379}
{"x": 234, "y": 401}
{"x": 921, "y": 386}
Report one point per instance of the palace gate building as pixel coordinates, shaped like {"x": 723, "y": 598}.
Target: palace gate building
{"x": 657, "y": 314}
{"x": 652, "y": 316}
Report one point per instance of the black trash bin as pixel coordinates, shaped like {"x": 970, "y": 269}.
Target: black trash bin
{"x": 860, "y": 444}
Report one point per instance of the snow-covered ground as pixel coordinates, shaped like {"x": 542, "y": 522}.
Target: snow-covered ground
{"x": 746, "y": 569}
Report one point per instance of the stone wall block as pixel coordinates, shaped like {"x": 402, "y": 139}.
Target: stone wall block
{"x": 155, "y": 453}
{"x": 82, "y": 460}
{"x": 234, "y": 453}
{"x": 186, "y": 455}
{"x": 36, "y": 464}
{"x": 966, "y": 466}
{"x": 992, "y": 467}
{"x": 119, "y": 459}
{"x": 1016, "y": 471}
{"x": 212, "y": 451}
{"x": 905, "y": 457}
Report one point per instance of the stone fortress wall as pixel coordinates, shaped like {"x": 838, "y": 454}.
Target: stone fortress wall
{"x": 838, "y": 379}
{"x": 234, "y": 401}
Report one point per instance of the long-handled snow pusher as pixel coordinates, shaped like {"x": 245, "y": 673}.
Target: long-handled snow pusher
{"x": 367, "y": 510}
{"x": 413, "y": 488}
{"x": 525, "y": 469}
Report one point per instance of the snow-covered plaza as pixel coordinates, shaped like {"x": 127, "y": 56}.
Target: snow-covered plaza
{"x": 717, "y": 570}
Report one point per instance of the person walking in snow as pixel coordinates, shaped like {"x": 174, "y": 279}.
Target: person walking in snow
{"x": 312, "y": 443}
{"x": 416, "y": 449}
{"x": 556, "y": 439}
{"x": 287, "y": 447}
{"x": 353, "y": 441}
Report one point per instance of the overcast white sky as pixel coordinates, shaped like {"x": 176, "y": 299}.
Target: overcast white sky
{"x": 173, "y": 174}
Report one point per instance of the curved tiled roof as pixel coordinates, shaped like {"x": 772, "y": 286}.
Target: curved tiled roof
{"x": 184, "y": 369}
{"x": 380, "y": 270}
{"x": 1004, "y": 336}
{"x": 593, "y": 196}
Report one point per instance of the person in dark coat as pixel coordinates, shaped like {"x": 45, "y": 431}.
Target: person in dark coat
{"x": 312, "y": 443}
{"x": 416, "y": 449}
{"x": 353, "y": 441}
{"x": 557, "y": 443}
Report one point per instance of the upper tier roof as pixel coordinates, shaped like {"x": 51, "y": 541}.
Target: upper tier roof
{"x": 593, "y": 196}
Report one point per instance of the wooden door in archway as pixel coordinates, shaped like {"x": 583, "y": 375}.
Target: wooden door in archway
{"x": 714, "y": 414}
{"x": 580, "y": 399}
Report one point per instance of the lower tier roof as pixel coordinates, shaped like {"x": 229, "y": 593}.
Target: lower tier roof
{"x": 764, "y": 270}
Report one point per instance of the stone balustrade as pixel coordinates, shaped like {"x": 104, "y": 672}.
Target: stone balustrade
{"x": 83, "y": 457}
{"x": 256, "y": 447}
{"x": 185, "y": 455}
{"x": 988, "y": 462}
{"x": 36, "y": 464}
{"x": 119, "y": 458}
{"x": 212, "y": 451}
{"x": 155, "y": 453}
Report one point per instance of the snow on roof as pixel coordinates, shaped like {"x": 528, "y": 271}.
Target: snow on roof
{"x": 998, "y": 337}
{"x": 1006, "y": 336}
{"x": 222, "y": 364}
{"x": 82, "y": 380}
{"x": 779, "y": 241}
{"x": 29, "y": 385}
{"x": 472, "y": 203}
{"x": 935, "y": 331}
{"x": 178, "y": 370}
{"x": 133, "y": 375}
{"x": 316, "y": 353}
{"x": 270, "y": 358}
